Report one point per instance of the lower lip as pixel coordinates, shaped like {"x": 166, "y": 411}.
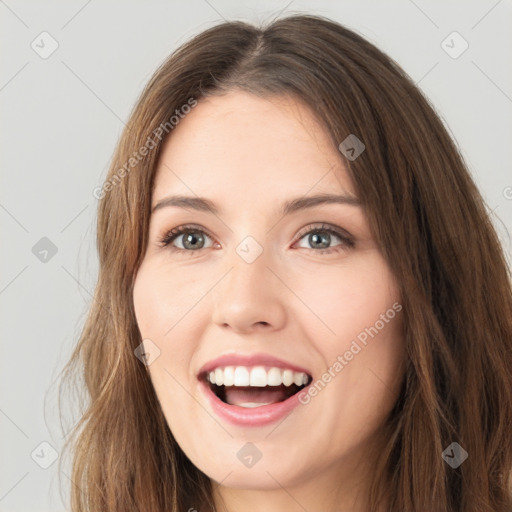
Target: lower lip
{"x": 247, "y": 416}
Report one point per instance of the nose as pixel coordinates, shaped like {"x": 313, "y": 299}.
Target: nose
{"x": 250, "y": 297}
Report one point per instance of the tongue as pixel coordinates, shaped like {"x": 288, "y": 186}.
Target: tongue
{"x": 248, "y": 395}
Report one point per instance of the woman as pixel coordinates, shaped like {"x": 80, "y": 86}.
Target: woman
{"x": 234, "y": 364}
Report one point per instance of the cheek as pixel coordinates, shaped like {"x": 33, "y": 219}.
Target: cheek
{"x": 163, "y": 307}
{"x": 345, "y": 299}
{"x": 167, "y": 308}
{"x": 354, "y": 318}
{"x": 162, "y": 297}
{"x": 160, "y": 310}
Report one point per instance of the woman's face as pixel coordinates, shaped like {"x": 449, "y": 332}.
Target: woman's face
{"x": 275, "y": 292}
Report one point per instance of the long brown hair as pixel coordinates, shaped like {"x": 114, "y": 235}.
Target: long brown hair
{"x": 433, "y": 228}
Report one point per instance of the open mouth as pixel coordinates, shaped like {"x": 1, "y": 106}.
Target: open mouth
{"x": 255, "y": 387}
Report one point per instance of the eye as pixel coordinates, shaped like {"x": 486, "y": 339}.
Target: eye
{"x": 192, "y": 238}
{"x": 319, "y": 237}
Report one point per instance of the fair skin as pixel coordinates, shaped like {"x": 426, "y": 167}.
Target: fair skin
{"x": 249, "y": 155}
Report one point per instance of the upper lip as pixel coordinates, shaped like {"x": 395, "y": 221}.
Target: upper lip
{"x": 258, "y": 359}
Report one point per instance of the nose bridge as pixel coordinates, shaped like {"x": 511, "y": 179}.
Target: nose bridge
{"x": 249, "y": 293}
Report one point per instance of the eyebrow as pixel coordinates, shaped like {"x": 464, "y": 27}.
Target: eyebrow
{"x": 301, "y": 203}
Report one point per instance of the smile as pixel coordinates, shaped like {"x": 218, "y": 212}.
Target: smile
{"x": 259, "y": 392}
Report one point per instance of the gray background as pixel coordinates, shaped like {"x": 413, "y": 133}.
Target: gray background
{"x": 62, "y": 116}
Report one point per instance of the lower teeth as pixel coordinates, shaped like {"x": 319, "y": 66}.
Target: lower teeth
{"x": 253, "y": 404}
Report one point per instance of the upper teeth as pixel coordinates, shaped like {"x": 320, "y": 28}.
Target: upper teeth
{"x": 257, "y": 376}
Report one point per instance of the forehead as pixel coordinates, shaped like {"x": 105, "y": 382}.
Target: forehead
{"x": 240, "y": 146}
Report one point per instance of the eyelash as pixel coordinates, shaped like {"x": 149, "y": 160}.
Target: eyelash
{"x": 347, "y": 242}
